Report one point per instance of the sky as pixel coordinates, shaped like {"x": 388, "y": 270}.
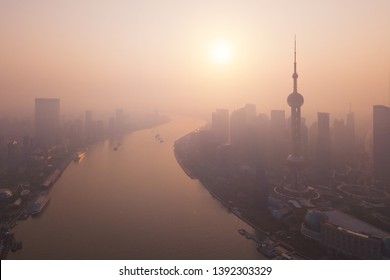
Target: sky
{"x": 152, "y": 54}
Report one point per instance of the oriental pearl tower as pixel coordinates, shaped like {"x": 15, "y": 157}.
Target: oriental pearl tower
{"x": 295, "y": 159}
{"x": 294, "y": 187}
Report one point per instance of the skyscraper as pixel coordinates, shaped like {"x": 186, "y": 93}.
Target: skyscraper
{"x": 381, "y": 145}
{"x": 47, "y": 121}
{"x": 243, "y": 131}
{"x": 241, "y": 124}
{"x": 323, "y": 141}
{"x": 295, "y": 159}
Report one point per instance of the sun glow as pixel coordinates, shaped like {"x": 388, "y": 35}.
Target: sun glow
{"x": 221, "y": 52}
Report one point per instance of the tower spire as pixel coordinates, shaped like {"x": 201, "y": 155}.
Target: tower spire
{"x": 295, "y": 101}
{"x": 295, "y": 75}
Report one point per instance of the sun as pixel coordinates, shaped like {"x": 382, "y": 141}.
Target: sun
{"x": 221, "y": 52}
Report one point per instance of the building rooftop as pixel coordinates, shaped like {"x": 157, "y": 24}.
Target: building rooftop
{"x": 353, "y": 224}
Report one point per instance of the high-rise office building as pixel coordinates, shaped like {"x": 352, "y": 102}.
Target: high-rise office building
{"x": 250, "y": 113}
{"x": 47, "y": 121}
{"x": 323, "y": 141}
{"x": 241, "y": 124}
{"x": 243, "y": 131}
{"x": 343, "y": 142}
{"x": 381, "y": 145}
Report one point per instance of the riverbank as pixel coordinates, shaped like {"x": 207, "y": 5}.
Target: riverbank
{"x": 266, "y": 228}
{"x": 233, "y": 209}
{"x": 52, "y": 165}
{"x": 114, "y": 204}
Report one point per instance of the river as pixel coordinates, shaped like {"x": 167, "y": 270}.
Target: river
{"x": 133, "y": 203}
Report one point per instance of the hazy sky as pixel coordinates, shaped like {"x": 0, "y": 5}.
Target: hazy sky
{"x": 157, "y": 54}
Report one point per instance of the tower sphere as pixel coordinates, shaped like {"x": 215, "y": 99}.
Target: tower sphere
{"x": 295, "y": 100}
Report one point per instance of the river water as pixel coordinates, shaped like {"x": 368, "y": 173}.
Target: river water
{"x": 133, "y": 203}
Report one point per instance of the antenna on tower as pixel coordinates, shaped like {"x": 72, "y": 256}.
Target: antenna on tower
{"x": 295, "y": 75}
{"x": 295, "y": 48}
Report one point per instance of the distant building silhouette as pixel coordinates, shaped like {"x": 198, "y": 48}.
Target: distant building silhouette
{"x": 220, "y": 125}
{"x": 47, "y": 121}
{"x": 73, "y": 132}
{"x": 111, "y": 126}
{"x": 340, "y": 142}
{"x": 304, "y": 138}
{"x": 343, "y": 140}
{"x": 323, "y": 142}
{"x": 381, "y": 145}
{"x": 250, "y": 113}
{"x": 240, "y": 122}
{"x": 243, "y": 131}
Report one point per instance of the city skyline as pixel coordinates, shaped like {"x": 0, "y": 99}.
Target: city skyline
{"x": 202, "y": 153}
{"x": 47, "y": 121}
{"x": 173, "y": 131}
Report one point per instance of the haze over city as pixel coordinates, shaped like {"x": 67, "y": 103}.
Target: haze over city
{"x": 159, "y": 55}
{"x": 195, "y": 130}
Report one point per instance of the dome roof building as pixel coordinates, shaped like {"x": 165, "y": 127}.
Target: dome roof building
{"x": 314, "y": 219}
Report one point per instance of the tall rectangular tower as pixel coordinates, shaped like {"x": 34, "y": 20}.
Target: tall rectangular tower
{"x": 323, "y": 140}
{"x": 47, "y": 121}
{"x": 381, "y": 145}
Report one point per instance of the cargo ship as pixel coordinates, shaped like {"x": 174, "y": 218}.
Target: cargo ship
{"x": 51, "y": 179}
{"x": 79, "y": 156}
{"x": 40, "y": 203}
